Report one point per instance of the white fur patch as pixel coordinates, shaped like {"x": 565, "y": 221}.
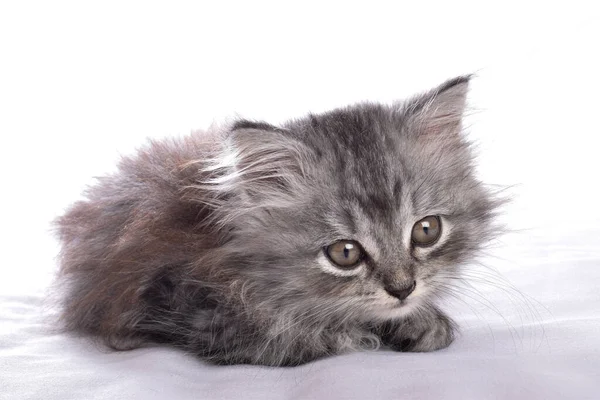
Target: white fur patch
{"x": 388, "y": 307}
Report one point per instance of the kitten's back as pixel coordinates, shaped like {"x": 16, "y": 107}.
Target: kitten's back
{"x": 131, "y": 225}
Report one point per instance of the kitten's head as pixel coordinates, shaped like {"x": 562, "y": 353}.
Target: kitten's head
{"x": 358, "y": 212}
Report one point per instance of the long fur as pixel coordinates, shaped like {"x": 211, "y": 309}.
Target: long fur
{"x": 213, "y": 243}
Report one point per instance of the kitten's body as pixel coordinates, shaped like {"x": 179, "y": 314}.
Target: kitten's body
{"x": 214, "y": 243}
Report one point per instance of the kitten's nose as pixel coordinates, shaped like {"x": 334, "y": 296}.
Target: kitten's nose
{"x": 401, "y": 292}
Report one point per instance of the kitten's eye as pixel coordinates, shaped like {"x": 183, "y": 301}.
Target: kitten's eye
{"x": 345, "y": 253}
{"x": 426, "y": 231}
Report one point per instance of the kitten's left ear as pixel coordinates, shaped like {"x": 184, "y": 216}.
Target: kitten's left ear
{"x": 440, "y": 111}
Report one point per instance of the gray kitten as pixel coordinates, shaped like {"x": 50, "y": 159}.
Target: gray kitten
{"x": 278, "y": 245}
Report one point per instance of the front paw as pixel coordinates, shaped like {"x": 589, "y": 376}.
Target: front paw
{"x": 427, "y": 332}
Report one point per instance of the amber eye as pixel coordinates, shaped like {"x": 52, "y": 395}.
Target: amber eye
{"x": 426, "y": 231}
{"x": 344, "y": 254}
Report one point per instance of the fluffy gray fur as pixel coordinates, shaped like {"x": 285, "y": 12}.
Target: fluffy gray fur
{"x": 214, "y": 243}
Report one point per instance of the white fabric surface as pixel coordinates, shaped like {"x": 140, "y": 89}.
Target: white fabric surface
{"x": 535, "y": 337}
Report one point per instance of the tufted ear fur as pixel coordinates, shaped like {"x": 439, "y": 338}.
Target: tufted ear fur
{"x": 259, "y": 167}
{"x": 267, "y": 161}
{"x": 440, "y": 111}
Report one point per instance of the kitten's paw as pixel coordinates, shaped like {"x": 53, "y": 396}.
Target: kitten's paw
{"x": 425, "y": 334}
{"x": 125, "y": 342}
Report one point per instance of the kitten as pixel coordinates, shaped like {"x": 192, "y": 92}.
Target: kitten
{"x": 277, "y": 245}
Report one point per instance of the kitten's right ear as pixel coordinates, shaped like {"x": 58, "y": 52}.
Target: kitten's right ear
{"x": 256, "y": 125}
{"x": 261, "y": 162}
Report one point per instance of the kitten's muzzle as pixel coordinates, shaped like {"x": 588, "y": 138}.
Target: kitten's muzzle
{"x": 401, "y": 292}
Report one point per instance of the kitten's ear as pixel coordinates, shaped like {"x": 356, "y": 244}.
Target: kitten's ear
{"x": 266, "y": 161}
{"x": 440, "y": 111}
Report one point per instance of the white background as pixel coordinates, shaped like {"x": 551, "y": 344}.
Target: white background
{"x": 82, "y": 82}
